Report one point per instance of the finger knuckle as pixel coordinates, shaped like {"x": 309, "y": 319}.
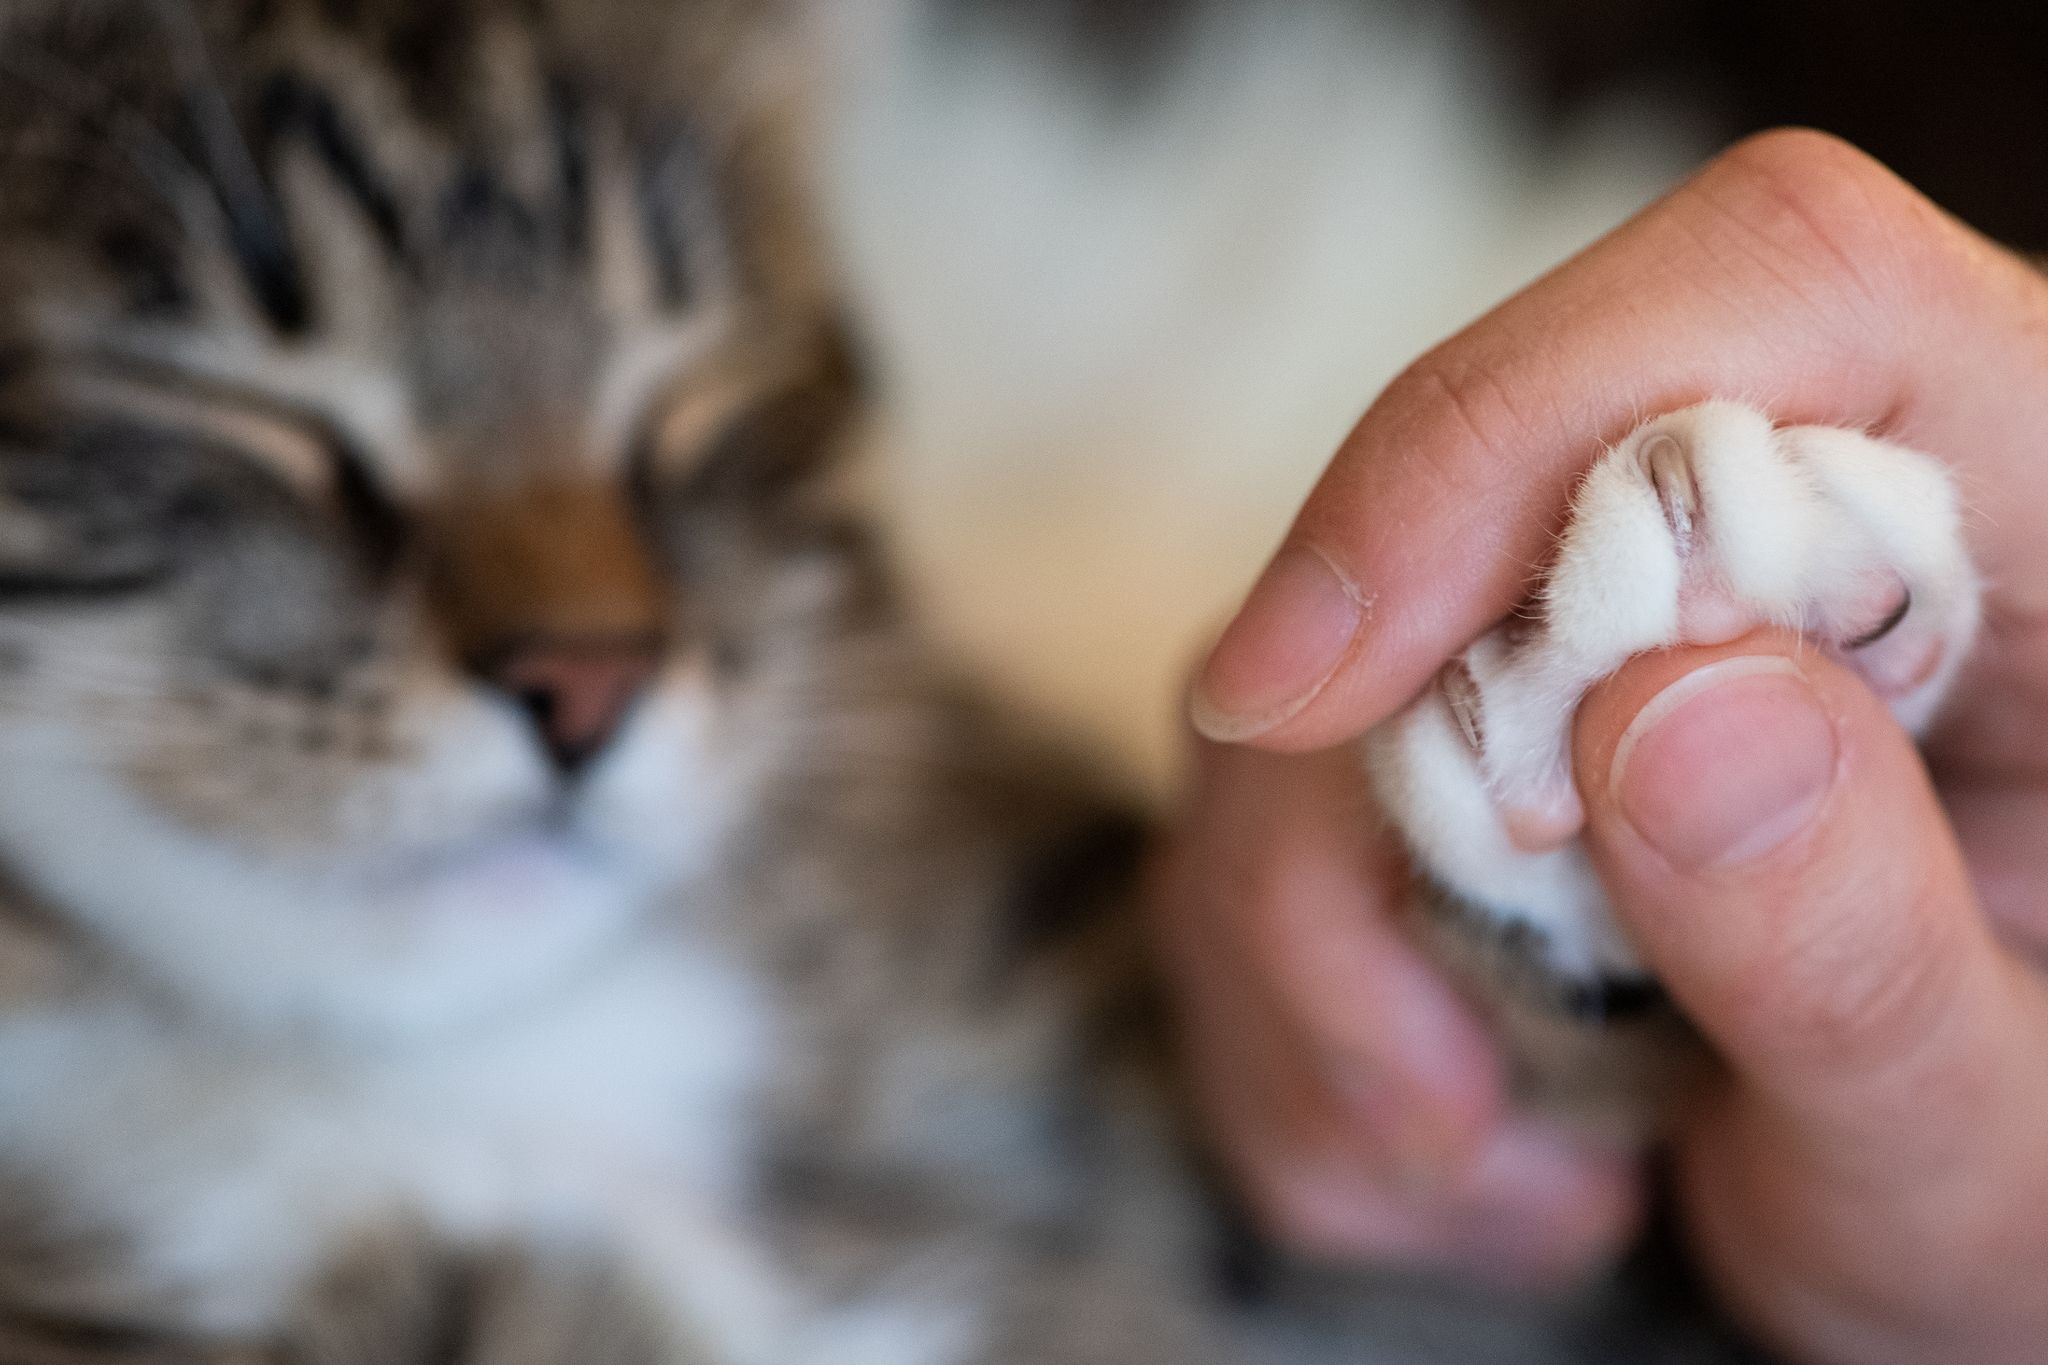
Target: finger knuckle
{"x": 1816, "y": 207}
{"x": 1462, "y": 400}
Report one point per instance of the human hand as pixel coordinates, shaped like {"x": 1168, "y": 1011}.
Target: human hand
{"x": 1865, "y": 1184}
{"x": 1358, "y": 1100}
{"x": 1795, "y": 271}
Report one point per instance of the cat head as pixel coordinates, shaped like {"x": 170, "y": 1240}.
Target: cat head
{"x": 416, "y": 426}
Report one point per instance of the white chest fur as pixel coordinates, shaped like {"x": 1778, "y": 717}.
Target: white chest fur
{"x": 612, "y": 1113}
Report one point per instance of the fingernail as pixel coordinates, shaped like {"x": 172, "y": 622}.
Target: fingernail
{"x": 1727, "y": 764}
{"x": 1287, "y": 640}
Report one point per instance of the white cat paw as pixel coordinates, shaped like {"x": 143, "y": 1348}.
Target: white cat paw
{"x": 1698, "y": 527}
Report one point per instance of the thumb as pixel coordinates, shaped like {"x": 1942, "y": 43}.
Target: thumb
{"x": 1773, "y": 846}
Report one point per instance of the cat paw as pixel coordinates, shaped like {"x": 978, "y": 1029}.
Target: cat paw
{"x": 1697, "y": 528}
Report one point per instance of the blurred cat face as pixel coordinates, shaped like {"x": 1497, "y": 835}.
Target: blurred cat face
{"x": 410, "y": 564}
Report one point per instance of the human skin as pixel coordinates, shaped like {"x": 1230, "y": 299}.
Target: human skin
{"x": 1854, "y": 928}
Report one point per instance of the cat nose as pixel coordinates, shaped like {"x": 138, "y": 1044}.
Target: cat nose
{"x": 577, "y": 690}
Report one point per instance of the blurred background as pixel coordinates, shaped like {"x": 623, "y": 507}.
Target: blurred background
{"x": 1132, "y": 268}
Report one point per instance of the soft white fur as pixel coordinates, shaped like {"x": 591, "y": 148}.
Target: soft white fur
{"x": 1124, "y": 328}
{"x": 1697, "y": 527}
{"x": 237, "y": 1167}
{"x": 471, "y": 1017}
{"x": 441, "y": 888}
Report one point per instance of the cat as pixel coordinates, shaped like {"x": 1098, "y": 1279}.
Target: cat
{"x": 489, "y": 871}
{"x": 423, "y": 601}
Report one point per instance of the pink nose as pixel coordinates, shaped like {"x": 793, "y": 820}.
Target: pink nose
{"x": 577, "y": 690}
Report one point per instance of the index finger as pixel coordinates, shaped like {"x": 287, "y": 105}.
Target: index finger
{"x": 1793, "y": 272}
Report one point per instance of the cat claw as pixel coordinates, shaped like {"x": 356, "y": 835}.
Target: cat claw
{"x": 1697, "y": 528}
{"x": 1671, "y": 474}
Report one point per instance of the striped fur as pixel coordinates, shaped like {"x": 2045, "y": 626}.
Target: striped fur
{"x": 351, "y": 353}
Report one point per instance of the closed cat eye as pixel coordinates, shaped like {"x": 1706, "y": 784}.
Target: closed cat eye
{"x": 753, "y": 422}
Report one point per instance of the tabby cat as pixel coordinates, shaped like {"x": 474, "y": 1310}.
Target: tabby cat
{"x": 489, "y": 873}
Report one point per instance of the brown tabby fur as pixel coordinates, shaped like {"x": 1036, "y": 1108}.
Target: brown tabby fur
{"x": 223, "y": 567}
